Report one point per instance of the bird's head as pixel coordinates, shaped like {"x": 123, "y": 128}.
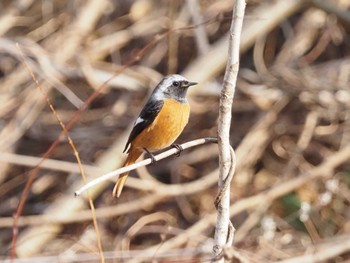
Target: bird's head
{"x": 173, "y": 87}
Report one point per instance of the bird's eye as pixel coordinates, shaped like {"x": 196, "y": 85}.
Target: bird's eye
{"x": 176, "y": 83}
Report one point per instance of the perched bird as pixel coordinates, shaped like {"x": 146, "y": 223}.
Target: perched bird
{"x": 160, "y": 122}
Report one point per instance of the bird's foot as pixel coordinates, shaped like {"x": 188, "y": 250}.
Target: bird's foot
{"x": 179, "y": 149}
{"x": 153, "y": 159}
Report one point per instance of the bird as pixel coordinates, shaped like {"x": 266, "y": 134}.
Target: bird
{"x": 159, "y": 123}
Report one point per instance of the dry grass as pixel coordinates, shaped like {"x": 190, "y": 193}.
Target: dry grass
{"x": 290, "y": 130}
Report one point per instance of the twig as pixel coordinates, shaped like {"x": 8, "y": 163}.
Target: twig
{"x": 268, "y": 196}
{"x": 323, "y": 252}
{"x": 228, "y": 178}
{"x": 143, "y": 221}
{"x": 69, "y": 125}
{"x": 76, "y": 154}
{"x": 50, "y": 164}
{"x": 185, "y": 254}
{"x": 225, "y": 155}
{"x": 270, "y": 15}
{"x": 203, "y": 225}
{"x": 341, "y": 13}
{"x": 199, "y": 32}
{"x": 158, "y": 157}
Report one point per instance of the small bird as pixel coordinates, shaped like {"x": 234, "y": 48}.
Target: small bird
{"x": 160, "y": 122}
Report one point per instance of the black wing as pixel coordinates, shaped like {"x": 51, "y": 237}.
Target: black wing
{"x": 145, "y": 119}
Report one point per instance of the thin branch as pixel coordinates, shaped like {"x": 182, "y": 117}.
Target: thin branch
{"x": 199, "y": 32}
{"x": 226, "y": 156}
{"x": 204, "y": 224}
{"x": 145, "y": 162}
{"x": 268, "y": 196}
{"x": 76, "y": 154}
{"x": 228, "y": 179}
{"x": 185, "y": 254}
{"x": 341, "y": 13}
{"x": 33, "y": 173}
{"x": 50, "y": 164}
{"x": 323, "y": 252}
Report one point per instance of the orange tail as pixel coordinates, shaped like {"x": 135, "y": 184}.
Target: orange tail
{"x": 134, "y": 154}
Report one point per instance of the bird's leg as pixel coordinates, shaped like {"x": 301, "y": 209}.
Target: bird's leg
{"x": 179, "y": 149}
{"x": 151, "y": 155}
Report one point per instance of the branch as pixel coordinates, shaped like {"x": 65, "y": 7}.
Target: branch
{"x": 321, "y": 253}
{"x": 145, "y": 162}
{"x": 224, "y": 230}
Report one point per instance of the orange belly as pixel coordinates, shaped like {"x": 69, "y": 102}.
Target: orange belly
{"x": 166, "y": 127}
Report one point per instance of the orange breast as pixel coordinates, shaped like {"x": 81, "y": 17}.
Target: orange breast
{"x": 166, "y": 127}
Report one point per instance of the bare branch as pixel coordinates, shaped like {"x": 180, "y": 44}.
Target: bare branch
{"x": 145, "y": 162}
{"x": 226, "y": 158}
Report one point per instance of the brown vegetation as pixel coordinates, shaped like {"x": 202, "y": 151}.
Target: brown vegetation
{"x": 290, "y": 129}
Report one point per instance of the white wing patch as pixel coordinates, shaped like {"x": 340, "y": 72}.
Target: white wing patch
{"x": 139, "y": 120}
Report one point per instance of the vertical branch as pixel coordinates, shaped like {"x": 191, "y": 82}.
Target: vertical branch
{"x": 224, "y": 237}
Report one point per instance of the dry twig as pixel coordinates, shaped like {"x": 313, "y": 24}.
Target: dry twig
{"x": 226, "y": 157}
{"x": 158, "y": 157}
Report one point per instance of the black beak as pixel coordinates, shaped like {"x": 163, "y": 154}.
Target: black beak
{"x": 186, "y": 85}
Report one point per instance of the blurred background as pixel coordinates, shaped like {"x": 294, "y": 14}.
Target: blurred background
{"x": 290, "y": 129}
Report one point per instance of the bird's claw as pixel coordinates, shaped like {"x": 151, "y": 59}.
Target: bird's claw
{"x": 153, "y": 159}
{"x": 179, "y": 149}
